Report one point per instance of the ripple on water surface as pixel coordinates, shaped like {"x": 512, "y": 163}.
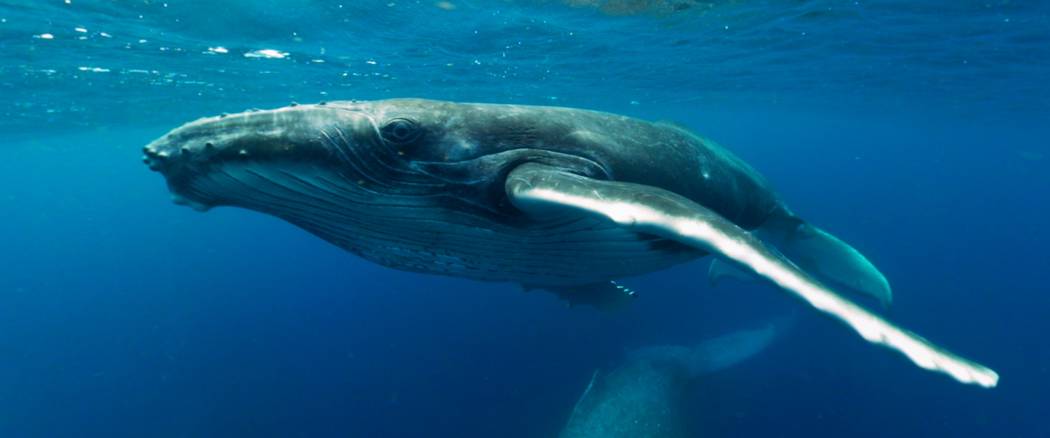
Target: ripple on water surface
{"x": 99, "y": 62}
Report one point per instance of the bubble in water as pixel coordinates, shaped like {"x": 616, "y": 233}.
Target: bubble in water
{"x": 266, "y": 53}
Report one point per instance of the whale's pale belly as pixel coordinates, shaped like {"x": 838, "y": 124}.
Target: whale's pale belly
{"x": 432, "y": 237}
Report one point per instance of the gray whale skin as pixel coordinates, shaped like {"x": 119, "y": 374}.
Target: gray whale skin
{"x": 561, "y": 199}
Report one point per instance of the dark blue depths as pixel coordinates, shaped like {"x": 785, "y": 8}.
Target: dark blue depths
{"x": 917, "y": 133}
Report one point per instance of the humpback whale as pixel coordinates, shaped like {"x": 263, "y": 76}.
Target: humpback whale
{"x": 562, "y": 199}
{"x": 644, "y": 396}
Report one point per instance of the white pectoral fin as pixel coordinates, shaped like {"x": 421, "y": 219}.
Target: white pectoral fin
{"x": 540, "y": 189}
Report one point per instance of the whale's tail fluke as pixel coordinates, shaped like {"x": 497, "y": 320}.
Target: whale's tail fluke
{"x": 642, "y": 396}
{"x": 717, "y": 353}
{"x": 728, "y": 350}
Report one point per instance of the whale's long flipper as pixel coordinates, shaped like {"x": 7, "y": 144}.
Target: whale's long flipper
{"x": 543, "y": 190}
{"x": 823, "y": 256}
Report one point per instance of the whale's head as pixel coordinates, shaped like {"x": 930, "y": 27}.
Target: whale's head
{"x": 227, "y": 159}
{"x": 405, "y": 150}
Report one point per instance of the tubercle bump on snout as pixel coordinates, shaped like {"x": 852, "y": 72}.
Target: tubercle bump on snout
{"x": 161, "y": 157}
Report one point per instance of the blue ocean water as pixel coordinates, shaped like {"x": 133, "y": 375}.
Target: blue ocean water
{"x": 917, "y": 131}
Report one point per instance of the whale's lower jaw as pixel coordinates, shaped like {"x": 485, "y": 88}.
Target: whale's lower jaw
{"x": 429, "y": 234}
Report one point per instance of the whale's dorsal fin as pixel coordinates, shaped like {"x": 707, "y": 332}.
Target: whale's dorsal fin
{"x": 540, "y": 190}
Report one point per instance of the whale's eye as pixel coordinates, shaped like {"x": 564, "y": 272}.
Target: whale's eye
{"x": 400, "y": 131}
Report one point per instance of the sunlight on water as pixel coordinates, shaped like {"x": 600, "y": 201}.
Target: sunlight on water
{"x": 758, "y": 53}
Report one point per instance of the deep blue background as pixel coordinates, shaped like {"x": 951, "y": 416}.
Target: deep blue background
{"x": 124, "y": 315}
